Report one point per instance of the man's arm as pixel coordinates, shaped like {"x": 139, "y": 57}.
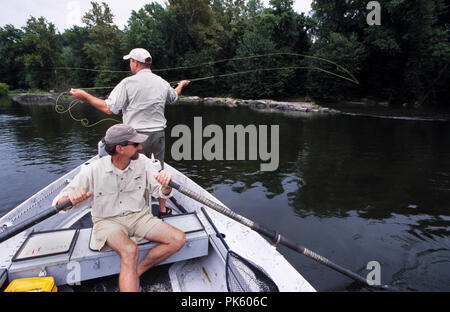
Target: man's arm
{"x": 181, "y": 85}
{"x": 94, "y": 101}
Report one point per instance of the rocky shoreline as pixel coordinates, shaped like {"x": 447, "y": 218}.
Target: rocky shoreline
{"x": 41, "y": 99}
{"x": 263, "y": 105}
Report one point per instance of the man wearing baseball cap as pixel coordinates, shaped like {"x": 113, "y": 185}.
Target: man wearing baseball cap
{"x": 116, "y": 186}
{"x": 142, "y": 99}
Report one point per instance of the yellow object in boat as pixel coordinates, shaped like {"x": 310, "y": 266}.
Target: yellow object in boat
{"x": 34, "y": 284}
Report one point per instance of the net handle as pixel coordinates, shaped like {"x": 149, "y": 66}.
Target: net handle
{"x": 218, "y": 234}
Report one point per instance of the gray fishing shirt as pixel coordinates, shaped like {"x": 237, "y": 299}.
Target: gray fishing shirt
{"x": 142, "y": 99}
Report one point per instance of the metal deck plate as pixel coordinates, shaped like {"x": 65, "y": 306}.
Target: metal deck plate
{"x": 42, "y": 244}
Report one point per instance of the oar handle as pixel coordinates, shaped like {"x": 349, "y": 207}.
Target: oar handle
{"x": 274, "y": 235}
{"x": 9, "y": 232}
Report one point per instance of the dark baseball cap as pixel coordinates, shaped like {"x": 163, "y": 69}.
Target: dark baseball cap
{"x": 123, "y": 133}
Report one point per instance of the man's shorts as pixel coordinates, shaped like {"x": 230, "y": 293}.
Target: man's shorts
{"x": 136, "y": 224}
{"x": 156, "y": 144}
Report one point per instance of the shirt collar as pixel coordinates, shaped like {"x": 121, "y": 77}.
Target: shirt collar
{"x": 144, "y": 70}
{"x": 110, "y": 167}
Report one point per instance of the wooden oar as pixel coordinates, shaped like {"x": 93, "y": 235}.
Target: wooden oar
{"x": 9, "y": 232}
{"x": 274, "y": 235}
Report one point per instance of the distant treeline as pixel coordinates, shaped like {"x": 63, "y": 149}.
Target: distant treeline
{"x": 398, "y": 50}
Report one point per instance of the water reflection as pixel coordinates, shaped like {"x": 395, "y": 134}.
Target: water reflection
{"x": 354, "y": 189}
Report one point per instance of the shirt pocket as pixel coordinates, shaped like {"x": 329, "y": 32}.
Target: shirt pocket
{"x": 105, "y": 195}
{"x": 135, "y": 188}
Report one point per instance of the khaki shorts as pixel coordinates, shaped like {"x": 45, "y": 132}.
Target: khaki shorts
{"x": 136, "y": 224}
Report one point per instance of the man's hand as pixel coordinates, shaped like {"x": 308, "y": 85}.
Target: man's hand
{"x": 181, "y": 85}
{"x": 77, "y": 195}
{"x": 184, "y": 83}
{"x": 79, "y": 94}
{"x": 163, "y": 177}
{"x": 96, "y": 102}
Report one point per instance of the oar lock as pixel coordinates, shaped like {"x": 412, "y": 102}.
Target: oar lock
{"x": 276, "y": 239}
{"x": 223, "y": 235}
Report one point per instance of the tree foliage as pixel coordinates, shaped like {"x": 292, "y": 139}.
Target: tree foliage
{"x": 403, "y": 60}
{"x": 103, "y": 49}
{"x": 406, "y": 57}
{"x": 41, "y": 53}
{"x": 10, "y": 48}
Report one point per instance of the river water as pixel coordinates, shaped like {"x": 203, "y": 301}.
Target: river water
{"x": 353, "y": 188}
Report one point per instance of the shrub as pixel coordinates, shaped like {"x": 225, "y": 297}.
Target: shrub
{"x": 3, "y": 89}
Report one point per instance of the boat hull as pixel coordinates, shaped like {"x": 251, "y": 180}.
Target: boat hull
{"x": 204, "y": 273}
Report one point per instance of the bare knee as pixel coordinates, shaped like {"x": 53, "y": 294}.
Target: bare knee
{"x": 129, "y": 253}
{"x": 179, "y": 239}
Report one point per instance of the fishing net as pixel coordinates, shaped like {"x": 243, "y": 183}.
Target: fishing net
{"x": 244, "y": 276}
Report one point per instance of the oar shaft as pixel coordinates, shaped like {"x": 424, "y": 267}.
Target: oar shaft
{"x": 211, "y": 204}
{"x": 311, "y": 254}
{"x": 16, "y": 229}
{"x": 270, "y": 233}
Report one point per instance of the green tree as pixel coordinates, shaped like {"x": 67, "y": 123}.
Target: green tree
{"x": 198, "y": 18}
{"x": 12, "y": 71}
{"x": 75, "y": 56}
{"x": 105, "y": 41}
{"x": 265, "y": 31}
{"x": 347, "y": 53}
{"x": 407, "y": 55}
{"x": 156, "y": 29}
{"x": 257, "y": 84}
{"x": 41, "y": 54}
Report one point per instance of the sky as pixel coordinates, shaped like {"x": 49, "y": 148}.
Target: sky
{"x": 66, "y": 13}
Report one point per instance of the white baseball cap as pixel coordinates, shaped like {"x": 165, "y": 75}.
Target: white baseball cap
{"x": 140, "y": 55}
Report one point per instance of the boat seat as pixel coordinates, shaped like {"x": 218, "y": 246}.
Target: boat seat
{"x": 79, "y": 262}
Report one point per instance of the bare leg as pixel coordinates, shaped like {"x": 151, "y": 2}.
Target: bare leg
{"x": 162, "y": 204}
{"x": 129, "y": 256}
{"x": 171, "y": 240}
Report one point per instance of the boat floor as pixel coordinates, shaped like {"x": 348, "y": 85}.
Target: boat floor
{"x": 156, "y": 279}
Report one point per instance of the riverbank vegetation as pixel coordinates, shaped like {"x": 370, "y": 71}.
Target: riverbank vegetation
{"x": 402, "y": 60}
{"x": 4, "y": 88}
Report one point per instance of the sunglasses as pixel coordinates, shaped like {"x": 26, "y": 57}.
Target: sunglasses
{"x": 130, "y": 143}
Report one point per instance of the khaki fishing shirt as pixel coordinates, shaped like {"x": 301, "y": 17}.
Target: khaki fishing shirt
{"x": 116, "y": 192}
{"x": 142, "y": 99}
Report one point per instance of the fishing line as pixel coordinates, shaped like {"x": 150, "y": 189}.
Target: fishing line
{"x": 351, "y": 79}
{"x": 59, "y": 108}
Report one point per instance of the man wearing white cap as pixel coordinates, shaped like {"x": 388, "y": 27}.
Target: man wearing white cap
{"x": 142, "y": 99}
{"x": 116, "y": 185}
